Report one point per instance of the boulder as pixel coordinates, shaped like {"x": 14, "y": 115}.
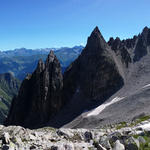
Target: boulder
{"x": 88, "y": 136}
{"x": 6, "y": 138}
{"x": 131, "y": 144}
{"x": 118, "y": 146}
{"x": 104, "y": 141}
{"x": 141, "y": 140}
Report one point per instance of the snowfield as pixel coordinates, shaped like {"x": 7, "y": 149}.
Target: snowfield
{"x": 99, "y": 109}
{"x": 146, "y": 86}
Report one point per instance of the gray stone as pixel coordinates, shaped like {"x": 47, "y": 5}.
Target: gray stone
{"x": 32, "y": 147}
{"x": 5, "y": 147}
{"x": 68, "y": 147}
{"x": 118, "y": 146}
{"x": 5, "y": 138}
{"x": 99, "y": 147}
{"x": 131, "y": 144}
{"x": 141, "y": 140}
{"x": 88, "y": 136}
{"x": 54, "y": 148}
{"x": 61, "y": 133}
{"x": 105, "y": 142}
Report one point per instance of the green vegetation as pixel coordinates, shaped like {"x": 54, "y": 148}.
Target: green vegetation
{"x": 139, "y": 120}
{"x": 3, "y": 106}
{"x": 146, "y": 145}
{"x": 4, "y": 95}
{"x": 90, "y": 148}
{"x": 47, "y": 129}
{"x": 133, "y": 123}
{"x": 76, "y": 137}
{"x": 121, "y": 125}
{"x": 9, "y": 87}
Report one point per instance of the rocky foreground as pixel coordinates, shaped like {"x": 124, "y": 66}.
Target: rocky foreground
{"x": 133, "y": 136}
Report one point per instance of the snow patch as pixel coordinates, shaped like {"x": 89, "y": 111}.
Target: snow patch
{"x": 99, "y": 109}
{"x": 146, "y": 86}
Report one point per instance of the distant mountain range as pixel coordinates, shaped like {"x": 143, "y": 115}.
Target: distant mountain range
{"x": 22, "y": 61}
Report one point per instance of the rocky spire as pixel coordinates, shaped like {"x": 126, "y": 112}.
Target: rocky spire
{"x": 40, "y": 66}
{"x": 50, "y": 57}
{"x": 146, "y": 35}
{"x": 40, "y": 95}
{"x": 145, "y": 31}
{"x": 111, "y": 41}
{"x": 96, "y": 42}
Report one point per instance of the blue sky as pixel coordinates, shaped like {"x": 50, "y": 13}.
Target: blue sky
{"x": 56, "y": 23}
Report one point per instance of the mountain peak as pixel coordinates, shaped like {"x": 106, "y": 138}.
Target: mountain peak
{"x": 51, "y": 53}
{"x": 96, "y": 41}
{"x": 51, "y": 57}
{"x": 96, "y": 30}
{"x": 145, "y": 29}
{"x": 96, "y": 33}
{"x": 145, "y": 32}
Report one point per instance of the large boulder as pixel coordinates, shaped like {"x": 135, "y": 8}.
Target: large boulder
{"x": 118, "y": 146}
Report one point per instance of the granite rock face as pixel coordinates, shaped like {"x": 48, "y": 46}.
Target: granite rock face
{"x": 39, "y": 96}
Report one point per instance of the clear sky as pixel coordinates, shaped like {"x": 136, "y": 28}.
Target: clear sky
{"x": 57, "y": 23}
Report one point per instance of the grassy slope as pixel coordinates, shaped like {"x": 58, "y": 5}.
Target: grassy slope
{"x": 8, "y": 88}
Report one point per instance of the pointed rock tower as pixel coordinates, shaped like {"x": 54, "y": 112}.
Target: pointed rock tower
{"x": 94, "y": 74}
{"x": 40, "y": 95}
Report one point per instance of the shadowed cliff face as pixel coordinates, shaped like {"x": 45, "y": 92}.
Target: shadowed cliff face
{"x": 94, "y": 73}
{"x": 39, "y": 96}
